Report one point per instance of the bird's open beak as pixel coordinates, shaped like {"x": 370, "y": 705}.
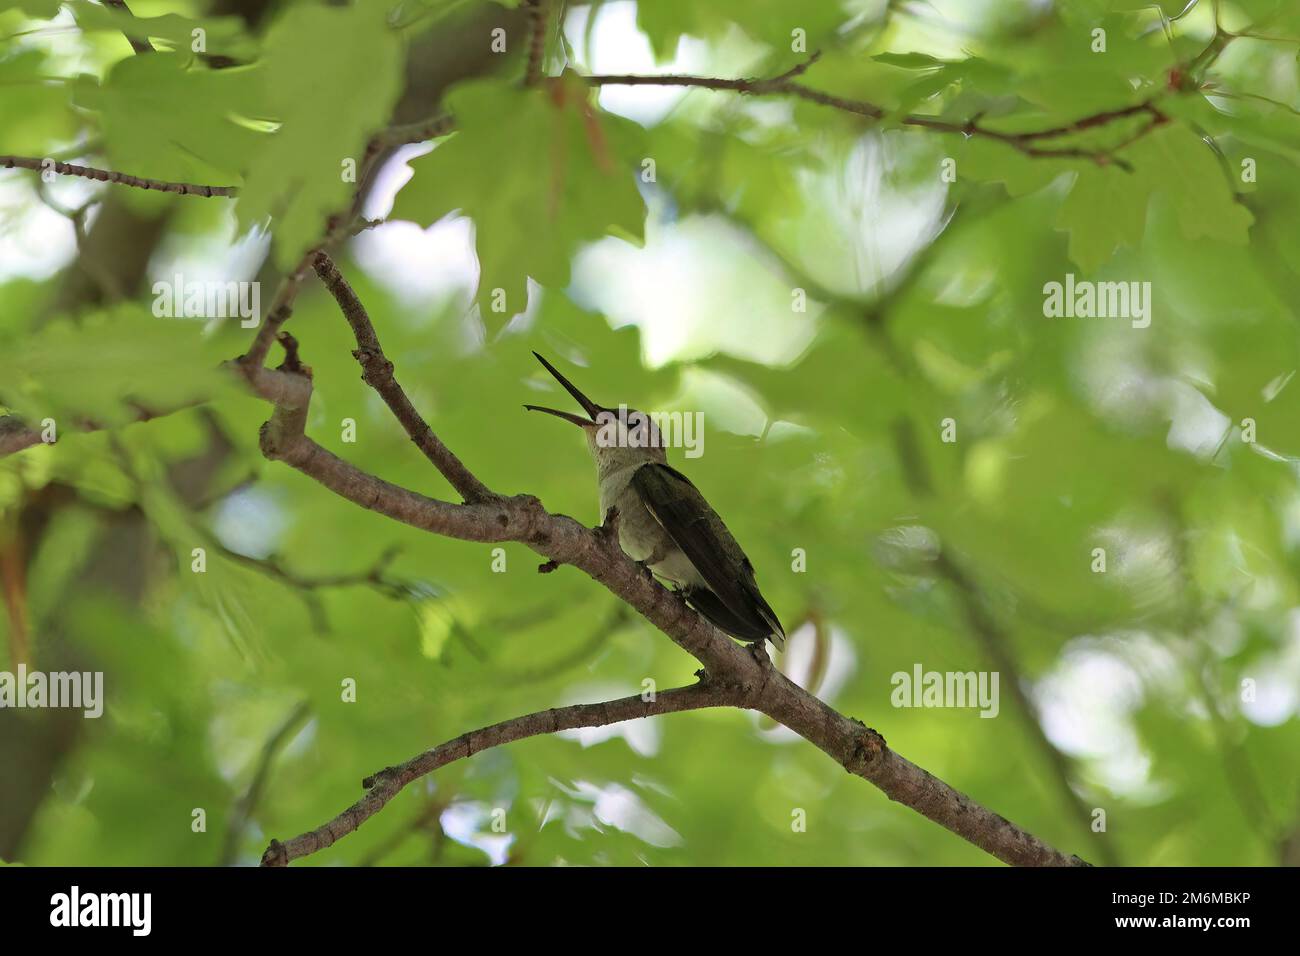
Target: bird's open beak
{"x": 590, "y": 407}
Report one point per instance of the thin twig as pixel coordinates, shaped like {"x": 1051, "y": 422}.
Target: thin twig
{"x": 283, "y": 734}
{"x": 384, "y": 785}
{"x": 16, "y": 434}
{"x": 537, "y": 11}
{"x": 138, "y": 44}
{"x": 307, "y": 586}
{"x": 277, "y": 314}
{"x": 583, "y": 653}
{"x": 784, "y": 85}
{"x": 338, "y": 228}
{"x": 428, "y": 818}
{"x": 377, "y": 372}
{"x": 40, "y": 164}
{"x": 393, "y": 136}
{"x": 993, "y": 639}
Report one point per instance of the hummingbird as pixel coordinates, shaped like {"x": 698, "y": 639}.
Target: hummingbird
{"x": 664, "y": 522}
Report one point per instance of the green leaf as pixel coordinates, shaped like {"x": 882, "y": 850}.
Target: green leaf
{"x": 212, "y": 35}
{"x": 1254, "y": 123}
{"x": 770, "y": 21}
{"x": 911, "y": 61}
{"x": 1106, "y": 208}
{"x": 1179, "y": 165}
{"x": 330, "y": 77}
{"x": 41, "y": 9}
{"x": 167, "y": 116}
{"x": 539, "y": 174}
{"x": 33, "y": 111}
{"x": 107, "y": 367}
{"x": 986, "y": 160}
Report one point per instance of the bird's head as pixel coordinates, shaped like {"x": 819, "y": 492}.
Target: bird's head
{"x": 616, "y": 436}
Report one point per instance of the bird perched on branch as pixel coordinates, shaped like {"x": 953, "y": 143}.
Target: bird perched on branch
{"x": 664, "y": 523}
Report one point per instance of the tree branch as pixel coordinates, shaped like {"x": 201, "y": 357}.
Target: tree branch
{"x": 402, "y": 134}
{"x": 16, "y": 434}
{"x": 377, "y": 372}
{"x": 110, "y": 176}
{"x": 384, "y": 785}
{"x": 138, "y": 44}
{"x": 748, "y": 672}
{"x": 338, "y": 228}
{"x": 307, "y": 588}
{"x": 283, "y": 734}
{"x": 393, "y": 136}
{"x": 276, "y": 315}
{"x": 785, "y": 85}
{"x": 996, "y": 646}
{"x": 537, "y": 11}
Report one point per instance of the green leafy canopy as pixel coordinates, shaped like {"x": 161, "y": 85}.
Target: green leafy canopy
{"x": 539, "y": 173}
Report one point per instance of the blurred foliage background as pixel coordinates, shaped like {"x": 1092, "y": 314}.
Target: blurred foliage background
{"x": 827, "y": 288}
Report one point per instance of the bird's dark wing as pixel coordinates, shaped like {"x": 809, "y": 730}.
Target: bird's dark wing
{"x": 714, "y": 611}
{"x": 696, "y": 528}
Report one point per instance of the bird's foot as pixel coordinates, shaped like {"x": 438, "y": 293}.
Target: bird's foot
{"x": 758, "y": 651}
{"x": 682, "y": 596}
{"x": 607, "y": 530}
{"x": 645, "y": 569}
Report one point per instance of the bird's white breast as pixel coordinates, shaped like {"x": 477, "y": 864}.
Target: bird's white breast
{"x": 640, "y": 535}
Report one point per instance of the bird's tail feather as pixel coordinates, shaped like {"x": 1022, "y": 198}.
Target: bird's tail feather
{"x": 764, "y": 626}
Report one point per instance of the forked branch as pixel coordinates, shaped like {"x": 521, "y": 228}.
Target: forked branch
{"x": 384, "y": 785}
